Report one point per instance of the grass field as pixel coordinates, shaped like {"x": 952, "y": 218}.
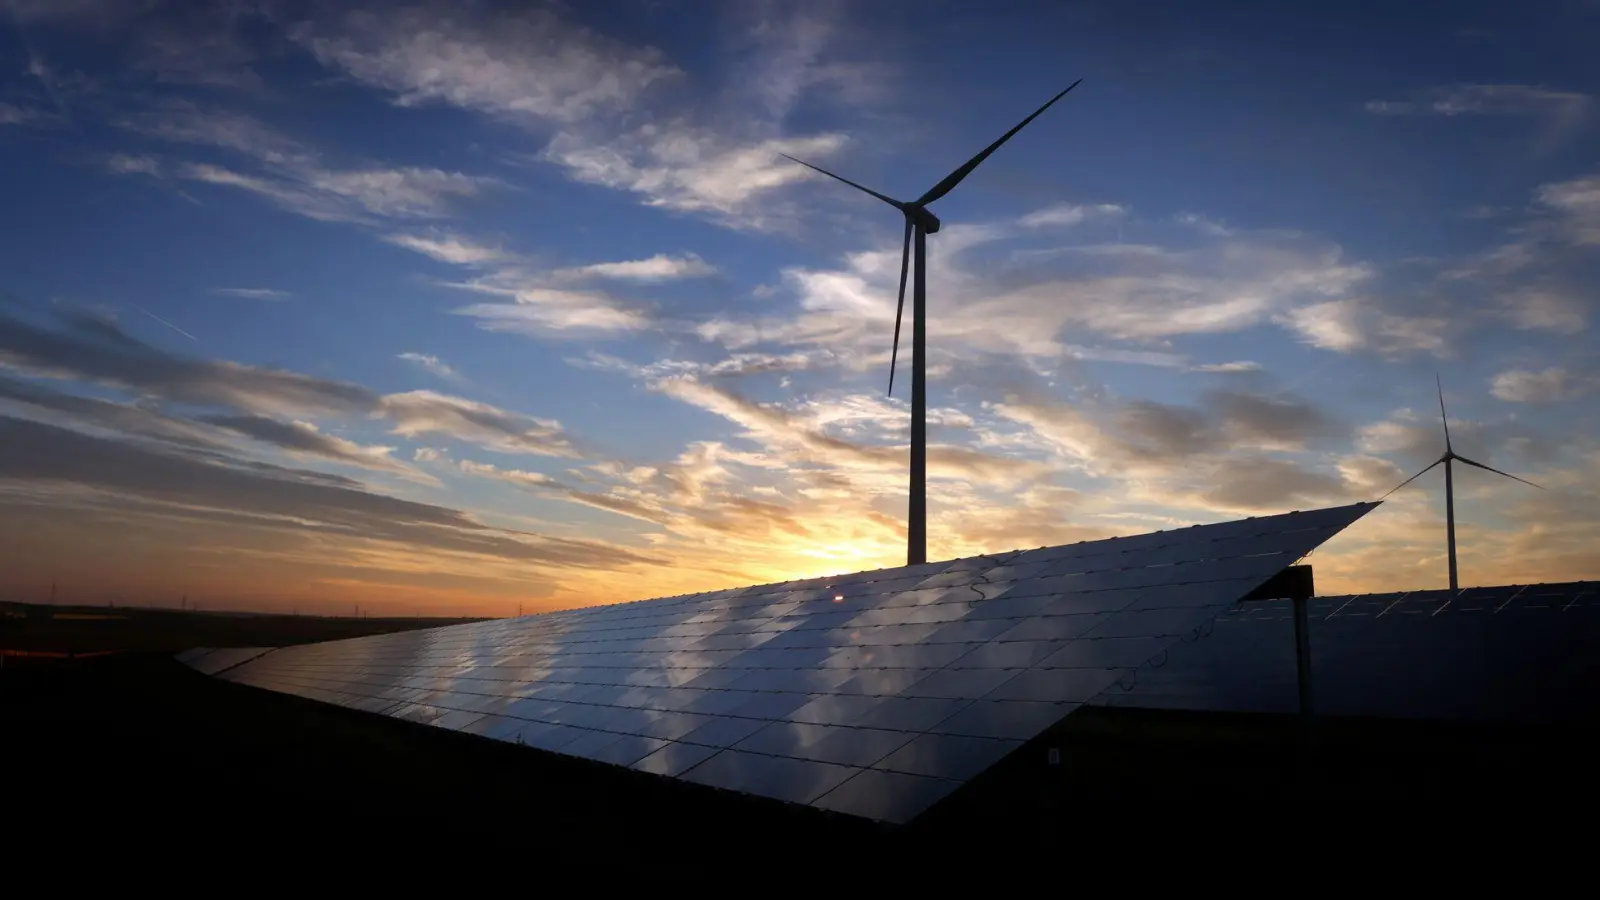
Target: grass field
{"x": 136, "y": 751}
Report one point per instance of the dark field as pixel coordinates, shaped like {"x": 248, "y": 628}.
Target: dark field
{"x": 134, "y": 751}
{"x": 56, "y": 630}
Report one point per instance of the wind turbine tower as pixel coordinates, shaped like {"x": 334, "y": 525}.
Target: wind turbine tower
{"x": 1450, "y": 456}
{"x": 919, "y": 224}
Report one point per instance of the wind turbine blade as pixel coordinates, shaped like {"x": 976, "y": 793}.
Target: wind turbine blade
{"x": 905, "y": 260}
{"x": 1442, "y": 417}
{"x": 1497, "y": 471}
{"x": 1411, "y": 479}
{"x": 954, "y": 178}
{"x": 889, "y": 200}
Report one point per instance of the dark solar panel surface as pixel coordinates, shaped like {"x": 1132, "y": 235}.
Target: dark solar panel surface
{"x": 1504, "y": 653}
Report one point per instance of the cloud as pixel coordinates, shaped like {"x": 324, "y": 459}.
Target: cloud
{"x": 97, "y": 350}
{"x": 294, "y": 176}
{"x": 542, "y": 303}
{"x": 1250, "y": 483}
{"x": 418, "y": 413}
{"x": 1545, "y": 308}
{"x": 1070, "y": 214}
{"x": 304, "y": 439}
{"x": 263, "y": 496}
{"x": 1544, "y": 386}
{"x": 1577, "y": 203}
{"x": 252, "y": 293}
{"x": 182, "y": 122}
{"x": 448, "y": 247}
{"x": 784, "y": 54}
{"x": 1235, "y": 366}
{"x": 538, "y": 68}
{"x": 17, "y": 115}
{"x": 107, "y": 416}
{"x": 1563, "y": 113}
{"x": 432, "y": 364}
{"x": 539, "y": 308}
{"x": 780, "y": 430}
{"x": 660, "y": 267}
{"x": 528, "y": 64}
{"x": 1142, "y": 295}
{"x": 1222, "y": 454}
{"x": 352, "y": 196}
{"x": 1353, "y": 324}
{"x": 1204, "y": 225}
{"x": 679, "y": 167}
{"x": 1486, "y": 99}
{"x": 125, "y": 164}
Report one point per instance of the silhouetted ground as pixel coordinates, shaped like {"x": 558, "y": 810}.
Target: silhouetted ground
{"x": 135, "y": 752}
{"x": 41, "y": 628}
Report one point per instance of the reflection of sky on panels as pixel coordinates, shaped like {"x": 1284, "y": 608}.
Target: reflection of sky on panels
{"x": 873, "y": 694}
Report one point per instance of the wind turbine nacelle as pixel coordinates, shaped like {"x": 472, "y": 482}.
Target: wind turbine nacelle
{"x": 928, "y": 221}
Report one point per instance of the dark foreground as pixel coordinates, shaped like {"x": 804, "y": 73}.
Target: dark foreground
{"x": 134, "y": 751}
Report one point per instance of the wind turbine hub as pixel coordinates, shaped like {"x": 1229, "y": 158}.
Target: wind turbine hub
{"x": 928, "y": 221}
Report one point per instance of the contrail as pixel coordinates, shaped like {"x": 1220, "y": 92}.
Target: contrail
{"x": 164, "y": 322}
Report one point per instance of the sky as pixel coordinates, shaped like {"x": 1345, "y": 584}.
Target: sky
{"x": 473, "y": 307}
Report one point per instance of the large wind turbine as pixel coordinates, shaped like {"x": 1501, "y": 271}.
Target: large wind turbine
{"x": 919, "y": 224}
{"x": 1450, "y": 456}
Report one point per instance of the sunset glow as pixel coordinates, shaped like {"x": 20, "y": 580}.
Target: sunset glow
{"x": 305, "y": 307}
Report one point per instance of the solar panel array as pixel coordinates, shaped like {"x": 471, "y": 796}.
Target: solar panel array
{"x": 873, "y": 694}
{"x": 1512, "y": 653}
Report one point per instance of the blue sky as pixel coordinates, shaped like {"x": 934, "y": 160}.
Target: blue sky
{"x": 459, "y": 306}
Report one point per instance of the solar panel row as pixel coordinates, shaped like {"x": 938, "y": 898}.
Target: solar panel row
{"x": 1511, "y": 653}
{"x": 873, "y": 694}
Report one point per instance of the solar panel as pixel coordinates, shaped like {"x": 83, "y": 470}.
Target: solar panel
{"x": 1501, "y": 653}
{"x": 211, "y": 660}
{"x": 873, "y": 694}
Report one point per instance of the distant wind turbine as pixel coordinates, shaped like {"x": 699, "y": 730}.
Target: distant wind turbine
{"x": 919, "y": 224}
{"x": 1450, "y": 456}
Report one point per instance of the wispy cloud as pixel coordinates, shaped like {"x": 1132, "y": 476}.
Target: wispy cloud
{"x": 305, "y": 439}
{"x": 681, "y": 168}
{"x": 252, "y": 293}
{"x": 417, "y": 413}
{"x": 351, "y": 196}
{"x": 449, "y": 247}
{"x": 1071, "y": 214}
{"x": 1139, "y": 294}
{"x": 539, "y": 310}
{"x": 93, "y": 349}
{"x": 660, "y": 267}
{"x": 1577, "y": 203}
{"x": 1562, "y": 113}
{"x": 523, "y": 64}
{"x": 1359, "y": 324}
{"x": 432, "y": 364}
{"x": 1548, "y": 385}
{"x": 154, "y": 484}
{"x": 17, "y": 115}
{"x": 1483, "y": 99}
{"x": 537, "y": 302}
{"x": 294, "y": 175}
